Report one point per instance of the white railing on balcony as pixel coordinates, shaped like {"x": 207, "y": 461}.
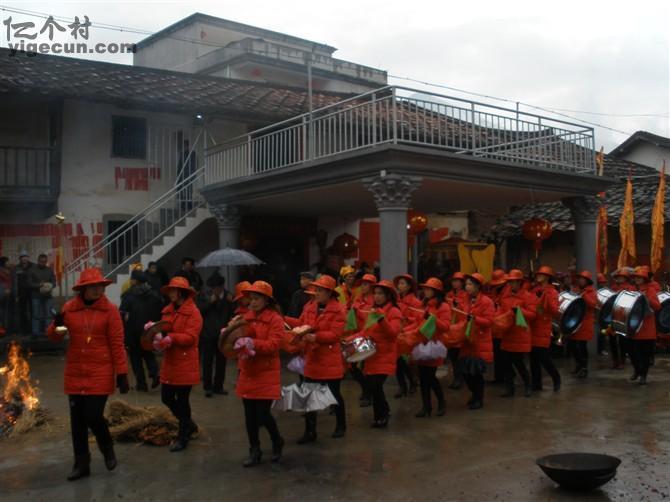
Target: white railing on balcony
{"x": 405, "y": 116}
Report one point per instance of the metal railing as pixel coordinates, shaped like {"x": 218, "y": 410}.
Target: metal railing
{"x": 25, "y": 167}
{"x": 405, "y": 116}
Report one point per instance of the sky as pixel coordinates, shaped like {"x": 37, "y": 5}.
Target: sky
{"x": 608, "y": 58}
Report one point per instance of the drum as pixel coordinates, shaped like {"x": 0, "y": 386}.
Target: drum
{"x": 663, "y": 315}
{"x": 147, "y": 338}
{"x": 571, "y": 311}
{"x": 358, "y": 349}
{"x": 606, "y": 298}
{"x": 628, "y": 312}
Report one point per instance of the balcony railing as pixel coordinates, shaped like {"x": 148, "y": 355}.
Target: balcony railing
{"x": 405, "y": 116}
{"x": 25, "y": 168}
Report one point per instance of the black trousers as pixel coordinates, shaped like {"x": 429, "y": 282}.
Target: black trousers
{"x": 515, "y": 360}
{"x": 540, "y": 357}
{"x": 580, "y": 353}
{"x": 24, "y": 321}
{"x": 475, "y": 385}
{"x": 87, "y": 412}
{"x": 380, "y": 407}
{"x": 452, "y": 355}
{"x": 213, "y": 365}
{"x": 358, "y": 375}
{"x": 176, "y": 397}
{"x": 138, "y": 358}
{"x": 256, "y": 415}
{"x": 340, "y": 411}
{"x": 498, "y": 361}
{"x": 643, "y": 351}
{"x": 618, "y": 348}
{"x": 403, "y": 374}
{"x": 429, "y": 382}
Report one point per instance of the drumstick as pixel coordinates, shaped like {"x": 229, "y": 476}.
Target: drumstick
{"x": 452, "y": 308}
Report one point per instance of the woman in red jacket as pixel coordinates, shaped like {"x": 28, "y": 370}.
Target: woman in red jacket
{"x": 258, "y": 382}
{"x": 323, "y": 358}
{"x": 456, "y": 298}
{"x": 362, "y": 307}
{"x": 547, "y": 309}
{"x": 433, "y": 304}
{"x": 644, "y": 342}
{"x": 412, "y": 313}
{"x": 180, "y": 369}
{"x": 496, "y": 290}
{"x": 516, "y": 341}
{"x": 384, "y": 333}
{"x": 578, "y": 341}
{"x": 95, "y": 359}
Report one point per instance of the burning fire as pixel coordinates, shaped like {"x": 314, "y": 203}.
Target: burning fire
{"x": 18, "y": 394}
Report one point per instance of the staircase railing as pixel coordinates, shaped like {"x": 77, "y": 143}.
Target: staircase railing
{"x": 123, "y": 246}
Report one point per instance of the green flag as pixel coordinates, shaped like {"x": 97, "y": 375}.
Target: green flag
{"x": 373, "y": 318}
{"x": 427, "y": 329}
{"x": 352, "y": 324}
{"x": 520, "y": 319}
{"x": 468, "y": 328}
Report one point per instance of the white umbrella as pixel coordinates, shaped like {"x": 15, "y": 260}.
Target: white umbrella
{"x": 229, "y": 257}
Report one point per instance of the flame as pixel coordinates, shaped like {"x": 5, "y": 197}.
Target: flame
{"x": 15, "y": 379}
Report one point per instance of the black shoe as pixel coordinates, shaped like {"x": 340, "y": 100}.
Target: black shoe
{"x": 425, "y": 412}
{"x": 401, "y": 393}
{"x": 307, "y": 437}
{"x": 441, "y": 409}
{"x": 193, "y": 430}
{"x": 382, "y": 423}
{"x": 81, "y": 469}
{"x": 155, "y": 382}
{"x": 141, "y": 387}
{"x": 209, "y": 393}
{"x": 221, "y": 392}
{"x": 583, "y": 373}
{"x": 527, "y": 391}
{"x": 557, "y": 386}
{"x": 476, "y": 405}
{"x": 634, "y": 377}
{"x": 179, "y": 445}
{"x": 255, "y": 455}
{"x": 339, "y": 432}
{"x": 110, "y": 458}
{"x": 365, "y": 403}
{"x": 277, "y": 449}
{"x": 642, "y": 380}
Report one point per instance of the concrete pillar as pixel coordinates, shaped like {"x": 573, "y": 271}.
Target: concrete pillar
{"x": 228, "y": 217}
{"x": 584, "y": 211}
{"x": 392, "y": 194}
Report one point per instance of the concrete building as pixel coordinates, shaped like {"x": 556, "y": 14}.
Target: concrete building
{"x": 644, "y": 148}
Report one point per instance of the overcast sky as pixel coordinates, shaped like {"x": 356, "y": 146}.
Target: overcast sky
{"x": 604, "y": 57}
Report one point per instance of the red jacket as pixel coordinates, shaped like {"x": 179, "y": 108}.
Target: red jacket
{"x": 95, "y": 353}
{"x": 442, "y": 322}
{"x": 411, "y": 309}
{"x": 259, "y": 376}
{"x": 586, "y": 330}
{"x": 648, "y": 329}
{"x": 458, "y": 299}
{"x": 518, "y": 338}
{"x": 362, "y": 306}
{"x": 384, "y": 334}
{"x": 181, "y": 362}
{"x": 547, "y": 309}
{"x": 323, "y": 358}
{"x": 480, "y": 342}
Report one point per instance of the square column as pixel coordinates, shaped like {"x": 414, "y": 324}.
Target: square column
{"x": 228, "y": 217}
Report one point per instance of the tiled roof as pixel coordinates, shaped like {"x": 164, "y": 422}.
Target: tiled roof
{"x": 147, "y": 88}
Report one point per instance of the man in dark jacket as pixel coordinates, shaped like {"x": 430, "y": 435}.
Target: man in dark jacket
{"x": 41, "y": 280}
{"x": 139, "y": 305}
{"x": 188, "y": 270}
{"x": 299, "y": 297}
{"x": 216, "y": 310}
{"x": 156, "y": 276}
{"x": 22, "y": 289}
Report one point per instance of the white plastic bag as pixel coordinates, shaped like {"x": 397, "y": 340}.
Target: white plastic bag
{"x": 297, "y": 365}
{"x": 305, "y": 397}
{"x": 429, "y": 351}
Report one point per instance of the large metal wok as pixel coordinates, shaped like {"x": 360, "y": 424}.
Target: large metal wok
{"x": 579, "y": 471}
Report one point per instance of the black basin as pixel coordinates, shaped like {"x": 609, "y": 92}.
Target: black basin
{"x": 579, "y": 471}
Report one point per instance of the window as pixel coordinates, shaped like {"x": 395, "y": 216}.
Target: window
{"x": 129, "y": 137}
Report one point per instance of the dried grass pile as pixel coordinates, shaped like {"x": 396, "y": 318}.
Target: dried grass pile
{"x": 30, "y": 420}
{"x": 148, "y": 425}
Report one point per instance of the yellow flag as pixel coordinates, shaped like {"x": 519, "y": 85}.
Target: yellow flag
{"x": 628, "y": 255}
{"x": 657, "y": 222}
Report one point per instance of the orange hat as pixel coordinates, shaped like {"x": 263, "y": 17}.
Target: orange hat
{"x": 369, "y": 278}
{"x": 90, "y": 277}
{"x": 601, "y": 278}
{"x": 515, "y": 275}
{"x": 497, "y": 277}
{"x": 260, "y": 287}
{"x": 621, "y": 272}
{"x": 179, "y": 283}
{"x": 476, "y": 276}
{"x": 586, "y": 275}
{"x": 388, "y": 285}
{"x": 407, "y": 277}
{"x": 545, "y": 270}
{"x": 433, "y": 283}
{"x": 325, "y": 282}
{"x": 458, "y": 275}
{"x": 641, "y": 271}
{"x": 239, "y": 287}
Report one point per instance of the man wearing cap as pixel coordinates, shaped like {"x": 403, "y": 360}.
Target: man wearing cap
{"x": 139, "y": 305}
{"x": 547, "y": 309}
{"x": 300, "y": 296}
{"x": 22, "y": 289}
{"x": 578, "y": 341}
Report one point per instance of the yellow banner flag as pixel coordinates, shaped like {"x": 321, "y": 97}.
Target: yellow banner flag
{"x": 657, "y": 223}
{"x": 628, "y": 254}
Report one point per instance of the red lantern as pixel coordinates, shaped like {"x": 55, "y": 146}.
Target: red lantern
{"x": 416, "y": 222}
{"x": 537, "y": 230}
{"x": 346, "y": 245}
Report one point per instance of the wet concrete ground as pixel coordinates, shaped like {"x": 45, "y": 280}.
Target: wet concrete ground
{"x": 466, "y": 455}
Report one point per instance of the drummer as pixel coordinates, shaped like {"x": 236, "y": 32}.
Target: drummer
{"x": 433, "y": 304}
{"x": 644, "y": 342}
{"x": 496, "y": 288}
{"x": 579, "y": 340}
{"x": 516, "y": 340}
{"x": 547, "y": 309}
{"x": 362, "y": 307}
{"x": 383, "y": 333}
{"x": 619, "y": 344}
{"x": 323, "y": 320}
{"x": 456, "y": 298}
{"x": 412, "y": 313}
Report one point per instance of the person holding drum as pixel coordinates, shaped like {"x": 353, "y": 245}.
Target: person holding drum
{"x": 578, "y": 341}
{"x": 547, "y": 309}
{"x": 456, "y": 298}
{"x": 386, "y": 317}
{"x": 520, "y": 306}
{"x": 433, "y": 304}
{"x": 258, "y": 382}
{"x": 619, "y": 344}
{"x": 412, "y": 313}
{"x": 321, "y": 326}
{"x": 644, "y": 342}
{"x": 362, "y": 307}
